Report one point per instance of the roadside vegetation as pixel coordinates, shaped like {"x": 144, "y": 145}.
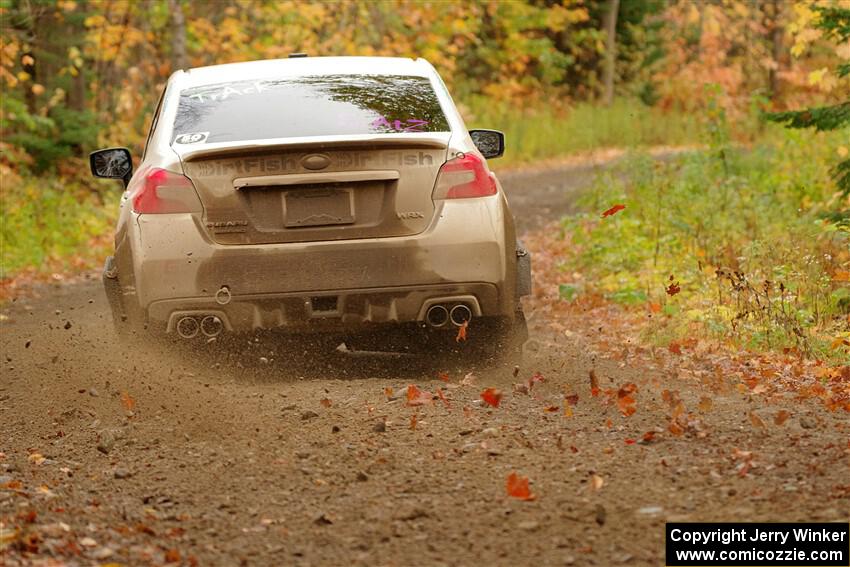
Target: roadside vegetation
{"x": 742, "y": 245}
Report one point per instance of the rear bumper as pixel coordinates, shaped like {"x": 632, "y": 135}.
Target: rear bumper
{"x": 177, "y": 270}
{"x": 339, "y": 310}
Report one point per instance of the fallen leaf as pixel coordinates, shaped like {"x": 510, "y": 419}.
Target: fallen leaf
{"x": 781, "y": 417}
{"x": 655, "y": 307}
{"x": 517, "y": 487}
{"x": 648, "y": 437}
{"x": 492, "y": 397}
{"x": 675, "y": 428}
{"x": 552, "y": 409}
{"x": 416, "y": 397}
{"x": 535, "y": 378}
{"x": 325, "y": 402}
{"x": 36, "y": 458}
{"x": 613, "y": 210}
{"x": 568, "y": 411}
{"x": 388, "y": 392}
{"x": 630, "y": 441}
{"x": 443, "y": 397}
{"x": 461, "y": 332}
{"x": 444, "y": 376}
{"x": 673, "y": 288}
{"x": 594, "y": 384}
{"x": 413, "y": 421}
{"x": 172, "y": 556}
{"x": 127, "y": 401}
{"x": 597, "y": 482}
{"x": 705, "y": 404}
{"x": 571, "y": 399}
{"x": 625, "y": 400}
{"x": 756, "y": 420}
{"x": 675, "y": 348}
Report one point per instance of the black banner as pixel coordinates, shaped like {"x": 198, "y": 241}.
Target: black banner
{"x": 758, "y": 544}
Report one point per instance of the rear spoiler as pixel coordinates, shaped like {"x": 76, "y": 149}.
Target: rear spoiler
{"x": 192, "y": 152}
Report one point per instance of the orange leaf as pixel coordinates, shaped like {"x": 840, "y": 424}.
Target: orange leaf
{"x": 597, "y": 482}
{"x": 756, "y": 420}
{"x": 413, "y": 421}
{"x": 517, "y": 487}
{"x": 630, "y": 441}
{"x": 571, "y": 399}
{"x": 461, "y": 332}
{"x": 675, "y": 428}
{"x": 674, "y": 348}
{"x": 172, "y": 556}
{"x": 655, "y": 307}
{"x": 705, "y": 404}
{"x": 443, "y": 397}
{"x": 841, "y": 276}
{"x": 416, "y": 397}
{"x": 552, "y": 409}
{"x": 781, "y": 417}
{"x": 568, "y": 411}
{"x": 649, "y": 437}
{"x": 127, "y": 401}
{"x": 625, "y": 400}
{"x": 326, "y": 402}
{"x": 492, "y": 397}
{"x": 444, "y": 376}
{"x": 388, "y": 392}
{"x": 594, "y": 384}
{"x": 613, "y": 210}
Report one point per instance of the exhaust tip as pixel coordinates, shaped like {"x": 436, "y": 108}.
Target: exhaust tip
{"x": 437, "y": 316}
{"x": 188, "y": 327}
{"x": 460, "y": 314}
{"x": 211, "y": 326}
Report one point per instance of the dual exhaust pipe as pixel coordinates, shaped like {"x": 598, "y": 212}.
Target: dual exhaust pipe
{"x": 439, "y": 316}
{"x": 189, "y": 327}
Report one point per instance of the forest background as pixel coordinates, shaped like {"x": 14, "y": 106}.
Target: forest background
{"x": 751, "y": 208}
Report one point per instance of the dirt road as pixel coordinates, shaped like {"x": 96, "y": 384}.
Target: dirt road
{"x": 136, "y": 457}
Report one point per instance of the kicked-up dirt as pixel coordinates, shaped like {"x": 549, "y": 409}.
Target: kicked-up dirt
{"x": 261, "y": 454}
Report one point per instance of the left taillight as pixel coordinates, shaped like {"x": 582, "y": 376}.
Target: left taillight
{"x": 161, "y": 191}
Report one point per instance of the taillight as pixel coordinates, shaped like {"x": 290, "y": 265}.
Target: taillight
{"x": 161, "y": 191}
{"x": 464, "y": 177}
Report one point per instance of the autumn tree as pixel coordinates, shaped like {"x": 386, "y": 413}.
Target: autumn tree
{"x": 834, "y": 22}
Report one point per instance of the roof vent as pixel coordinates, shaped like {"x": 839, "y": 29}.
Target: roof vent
{"x": 297, "y": 55}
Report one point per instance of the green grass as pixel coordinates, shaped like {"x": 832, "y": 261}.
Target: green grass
{"x": 758, "y": 239}
{"x": 540, "y": 133}
{"x": 53, "y": 224}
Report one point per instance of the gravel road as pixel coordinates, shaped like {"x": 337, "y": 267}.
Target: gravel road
{"x": 249, "y": 456}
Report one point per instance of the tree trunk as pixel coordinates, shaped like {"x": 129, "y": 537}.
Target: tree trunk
{"x": 178, "y": 35}
{"x": 776, "y": 37}
{"x": 610, "y": 49}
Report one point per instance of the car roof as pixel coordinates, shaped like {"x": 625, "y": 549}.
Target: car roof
{"x": 301, "y": 66}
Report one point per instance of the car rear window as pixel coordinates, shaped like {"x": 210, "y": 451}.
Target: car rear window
{"x": 307, "y": 106}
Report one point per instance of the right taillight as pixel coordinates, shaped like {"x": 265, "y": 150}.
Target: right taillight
{"x": 463, "y": 178}
{"x": 161, "y": 191}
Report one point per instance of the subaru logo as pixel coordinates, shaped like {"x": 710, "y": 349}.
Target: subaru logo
{"x": 315, "y": 161}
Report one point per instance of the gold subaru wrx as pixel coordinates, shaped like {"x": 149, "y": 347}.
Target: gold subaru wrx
{"x": 338, "y": 195}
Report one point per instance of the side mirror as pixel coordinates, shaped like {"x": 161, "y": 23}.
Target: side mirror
{"x": 112, "y": 163}
{"x": 491, "y": 143}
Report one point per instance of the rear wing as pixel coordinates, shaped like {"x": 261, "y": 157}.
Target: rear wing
{"x": 191, "y": 152}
